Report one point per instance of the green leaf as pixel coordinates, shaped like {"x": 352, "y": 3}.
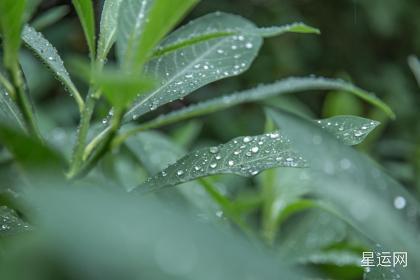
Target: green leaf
{"x": 11, "y": 21}
{"x": 84, "y": 9}
{"x": 350, "y": 130}
{"x": 9, "y": 112}
{"x": 121, "y": 89}
{"x": 108, "y": 27}
{"x": 50, "y": 17}
{"x": 143, "y": 24}
{"x": 414, "y": 64}
{"x": 46, "y": 52}
{"x": 247, "y": 156}
{"x": 289, "y": 85}
{"x": 11, "y": 223}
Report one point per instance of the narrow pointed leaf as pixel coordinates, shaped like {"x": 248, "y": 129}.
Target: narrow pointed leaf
{"x": 50, "y": 17}
{"x": 289, "y": 85}
{"x": 414, "y": 64}
{"x": 108, "y": 27}
{"x": 131, "y": 22}
{"x": 9, "y": 112}
{"x": 349, "y": 130}
{"x": 11, "y": 21}
{"x": 46, "y": 52}
{"x": 192, "y": 67}
{"x": 10, "y": 222}
{"x": 144, "y": 23}
{"x": 247, "y": 156}
{"x": 84, "y": 9}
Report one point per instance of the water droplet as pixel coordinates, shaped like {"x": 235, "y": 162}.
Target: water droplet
{"x": 255, "y": 149}
{"x": 247, "y": 139}
{"x": 180, "y": 172}
{"x": 231, "y": 163}
{"x": 399, "y": 202}
{"x": 213, "y": 165}
{"x": 249, "y": 45}
{"x": 214, "y": 150}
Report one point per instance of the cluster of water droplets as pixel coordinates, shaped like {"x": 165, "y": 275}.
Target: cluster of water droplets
{"x": 351, "y": 131}
{"x": 10, "y": 222}
{"x": 47, "y": 52}
{"x": 246, "y": 156}
{"x": 186, "y": 69}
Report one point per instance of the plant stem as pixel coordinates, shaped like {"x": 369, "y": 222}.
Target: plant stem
{"x": 90, "y": 161}
{"x": 8, "y": 86}
{"x": 83, "y": 130}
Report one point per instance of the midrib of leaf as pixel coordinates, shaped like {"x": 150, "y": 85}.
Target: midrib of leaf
{"x": 179, "y": 74}
{"x": 263, "y": 32}
{"x": 192, "y": 41}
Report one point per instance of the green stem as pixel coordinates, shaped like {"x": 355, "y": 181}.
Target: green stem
{"x": 83, "y": 130}
{"x": 90, "y": 161}
{"x": 8, "y": 86}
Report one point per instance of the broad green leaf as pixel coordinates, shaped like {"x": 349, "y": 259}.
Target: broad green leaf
{"x": 50, "y": 17}
{"x": 46, "y": 52}
{"x": 414, "y": 64}
{"x": 9, "y": 112}
{"x": 289, "y": 85}
{"x": 188, "y": 62}
{"x": 108, "y": 27}
{"x": 84, "y": 9}
{"x": 143, "y": 24}
{"x": 248, "y": 156}
{"x": 11, "y": 223}
{"x": 374, "y": 204}
{"x": 11, "y": 21}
